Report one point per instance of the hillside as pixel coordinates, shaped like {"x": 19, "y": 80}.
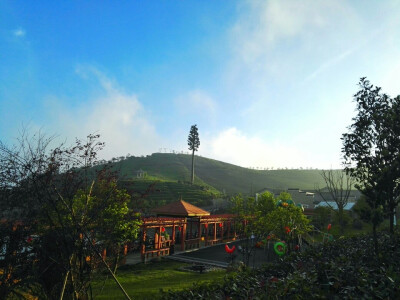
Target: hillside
{"x": 148, "y": 194}
{"x": 222, "y": 176}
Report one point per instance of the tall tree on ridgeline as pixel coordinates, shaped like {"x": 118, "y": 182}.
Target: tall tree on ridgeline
{"x": 193, "y": 143}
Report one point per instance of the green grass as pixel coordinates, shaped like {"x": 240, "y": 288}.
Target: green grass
{"x": 144, "y": 281}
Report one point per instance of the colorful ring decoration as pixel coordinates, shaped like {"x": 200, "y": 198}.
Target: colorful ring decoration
{"x": 280, "y": 248}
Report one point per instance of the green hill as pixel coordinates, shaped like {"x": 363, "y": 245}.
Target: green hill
{"x": 211, "y": 173}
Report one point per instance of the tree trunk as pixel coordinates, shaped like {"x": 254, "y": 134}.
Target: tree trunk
{"x": 116, "y": 260}
{"x": 391, "y": 218}
{"x": 192, "y": 179}
{"x": 341, "y": 223}
{"x": 375, "y": 237}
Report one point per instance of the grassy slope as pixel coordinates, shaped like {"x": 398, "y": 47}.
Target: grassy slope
{"x": 145, "y": 281}
{"x": 222, "y": 176}
{"x": 164, "y": 192}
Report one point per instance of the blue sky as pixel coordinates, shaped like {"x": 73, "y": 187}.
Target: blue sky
{"x": 269, "y": 83}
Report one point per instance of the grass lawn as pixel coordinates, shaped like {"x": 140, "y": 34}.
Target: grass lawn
{"x": 144, "y": 281}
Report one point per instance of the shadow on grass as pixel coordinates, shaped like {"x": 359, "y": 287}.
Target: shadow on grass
{"x": 144, "y": 281}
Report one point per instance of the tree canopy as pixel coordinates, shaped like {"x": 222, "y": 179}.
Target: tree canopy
{"x": 371, "y": 149}
{"x": 193, "y": 138}
{"x": 64, "y": 211}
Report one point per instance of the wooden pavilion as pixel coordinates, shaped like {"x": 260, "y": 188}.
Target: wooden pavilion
{"x": 181, "y": 223}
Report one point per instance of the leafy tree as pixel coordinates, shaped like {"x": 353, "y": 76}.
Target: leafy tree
{"x": 287, "y": 222}
{"x": 269, "y": 216}
{"x": 371, "y": 151}
{"x": 338, "y": 187}
{"x": 284, "y": 196}
{"x": 69, "y": 207}
{"x": 193, "y": 143}
{"x": 265, "y": 203}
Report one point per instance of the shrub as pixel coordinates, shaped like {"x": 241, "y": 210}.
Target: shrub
{"x": 343, "y": 269}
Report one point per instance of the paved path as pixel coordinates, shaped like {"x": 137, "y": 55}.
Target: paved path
{"x": 215, "y": 255}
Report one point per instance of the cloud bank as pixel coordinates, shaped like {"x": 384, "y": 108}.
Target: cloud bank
{"x": 119, "y": 117}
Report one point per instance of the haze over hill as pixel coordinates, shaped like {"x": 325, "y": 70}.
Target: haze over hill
{"x": 227, "y": 178}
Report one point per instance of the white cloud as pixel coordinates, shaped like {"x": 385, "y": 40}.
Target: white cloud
{"x": 280, "y": 41}
{"x": 196, "y": 102}
{"x": 233, "y": 146}
{"x": 266, "y": 23}
{"x": 19, "y": 32}
{"x": 118, "y": 117}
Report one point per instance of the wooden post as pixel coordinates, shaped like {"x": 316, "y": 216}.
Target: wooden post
{"x": 206, "y": 227}
{"x": 143, "y": 246}
{"x": 215, "y": 231}
{"x": 234, "y": 231}
{"x": 159, "y": 240}
{"x": 191, "y": 229}
{"x": 199, "y": 233}
{"x": 173, "y": 234}
{"x": 222, "y": 231}
{"x": 183, "y": 232}
{"x": 156, "y": 240}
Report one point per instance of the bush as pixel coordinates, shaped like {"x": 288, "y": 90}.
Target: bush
{"x": 343, "y": 269}
{"x": 358, "y": 224}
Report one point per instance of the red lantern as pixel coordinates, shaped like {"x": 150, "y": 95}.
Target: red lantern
{"x": 287, "y": 229}
{"x": 179, "y": 228}
{"x": 329, "y": 226}
{"x": 206, "y": 226}
{"x": 220, "y": 224}
{"x": 229, "y": 250}
{"x": 162, "y": 229}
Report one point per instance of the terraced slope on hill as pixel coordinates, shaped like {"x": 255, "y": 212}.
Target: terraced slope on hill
{"x": 222, "y": 176}
{"x": 148, "y": 194}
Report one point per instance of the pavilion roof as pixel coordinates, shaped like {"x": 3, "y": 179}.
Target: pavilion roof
{"x": 181, "y": 209}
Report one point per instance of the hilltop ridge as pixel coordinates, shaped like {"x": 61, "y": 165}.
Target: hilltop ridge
{"x": 215, "y": 175}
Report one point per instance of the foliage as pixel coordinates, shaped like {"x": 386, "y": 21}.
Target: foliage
{"x": 269, "y": 216}
{"x": 16, "y": 265}
{"x": 371, "y": 150}
{"x": 285, "y": 222}
{"x": 72, "y": 210}
{"x": 193, "y": 138}
{"x": 342, "y": 269}
{"x": 266, "y": 203}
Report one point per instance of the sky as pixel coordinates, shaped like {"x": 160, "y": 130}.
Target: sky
{"x": 269, "y": 84}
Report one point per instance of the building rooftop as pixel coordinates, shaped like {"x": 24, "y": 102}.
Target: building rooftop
{"x": 180, "y": 209}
